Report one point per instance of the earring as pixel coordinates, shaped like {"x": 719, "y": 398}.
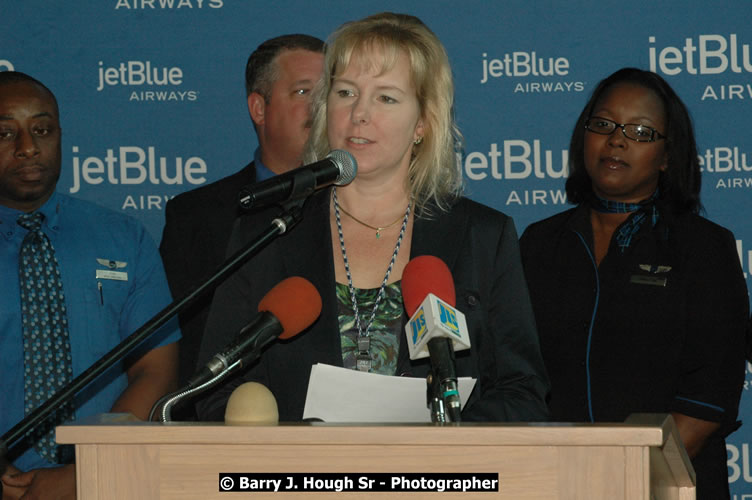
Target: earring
{"x": 418, "y": 141}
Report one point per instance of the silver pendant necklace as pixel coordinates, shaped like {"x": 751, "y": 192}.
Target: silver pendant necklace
{"x": 363, "y": 359}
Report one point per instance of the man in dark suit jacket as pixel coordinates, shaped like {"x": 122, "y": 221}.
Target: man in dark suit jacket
{"x": 279, "y": 75}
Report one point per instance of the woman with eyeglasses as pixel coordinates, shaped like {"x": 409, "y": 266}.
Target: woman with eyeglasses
{"x": 640, "y": 302}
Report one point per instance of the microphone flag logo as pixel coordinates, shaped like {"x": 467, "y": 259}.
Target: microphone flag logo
{"x": 448, "y": 318}
{"x": 435, "y": 318}
{"x": 418, "y": 325}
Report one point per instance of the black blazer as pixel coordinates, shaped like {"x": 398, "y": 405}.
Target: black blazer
{"x": 480, "y": 247}
{"x": 658, "y": 328}
{"x": 198, "y": 225}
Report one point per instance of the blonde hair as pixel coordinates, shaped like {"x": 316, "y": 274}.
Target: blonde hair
{"x": 434, "y": 173}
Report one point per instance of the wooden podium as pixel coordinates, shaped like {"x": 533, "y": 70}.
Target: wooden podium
{"x": 640, "y": 459}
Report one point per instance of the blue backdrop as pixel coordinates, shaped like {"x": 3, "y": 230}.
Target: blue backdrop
{"x": 153, "y": 102}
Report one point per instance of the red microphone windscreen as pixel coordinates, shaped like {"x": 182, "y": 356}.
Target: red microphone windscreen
{"x": 295, "y": 302}
{"x": 423, "y": 275}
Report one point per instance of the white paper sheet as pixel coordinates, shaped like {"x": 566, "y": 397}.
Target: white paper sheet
{"x": 337, "y": 394}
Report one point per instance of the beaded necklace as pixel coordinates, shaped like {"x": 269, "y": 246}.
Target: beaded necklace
{"x": 363, "y": 360}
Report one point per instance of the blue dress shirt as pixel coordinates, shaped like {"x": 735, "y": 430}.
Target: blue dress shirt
{"x": 113, "y": 281}
{"x": 262, "y": 171}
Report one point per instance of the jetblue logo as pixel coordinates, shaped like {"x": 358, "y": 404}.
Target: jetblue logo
{"x": 705, "y": 55}
{"x": 418, "y": 324}
{"x": 146, "y": 81}
{"x": 725, "y": 160}
{"x": 526, "y": 65}
{"x": 516, "y": 159}
{"x": 136, "y": 165}
{"x": 518, "y": 64}
{"x": 738, "y": 463}
{"x": 137, "y": 73}
{"x": 448, "y": 318}
{"x": 710, "y": 54}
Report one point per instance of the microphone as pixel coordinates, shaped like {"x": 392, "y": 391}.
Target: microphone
{"x": 286, "y": 310}
{"x": 436, "y": 328}
{"x": 252, "y": 403}
{"x": 338, "y": 168}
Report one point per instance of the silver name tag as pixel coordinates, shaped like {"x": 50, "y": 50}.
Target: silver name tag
{"x": 106, "y": 274}
{"x": 648, "y": 280}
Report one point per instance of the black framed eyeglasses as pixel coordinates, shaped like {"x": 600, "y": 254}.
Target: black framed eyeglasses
{"x": 633, "y": 131}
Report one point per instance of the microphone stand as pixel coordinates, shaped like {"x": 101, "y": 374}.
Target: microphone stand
{"x": 433, "y": 397}
{"x": 206, "y": 378}
{"x": 443, "y": 395}
{"x": 290, "y": 215}
{"x": 173, "y": 398}
{"x": 443, "y": 399}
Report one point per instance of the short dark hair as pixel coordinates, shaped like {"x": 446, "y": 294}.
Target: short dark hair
{"x": 260, "y": 72}
{"x": 680, "y": 183}
{"x": 10, "y": 77}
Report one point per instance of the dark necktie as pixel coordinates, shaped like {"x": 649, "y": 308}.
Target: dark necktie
{"x": 47, "y": 351}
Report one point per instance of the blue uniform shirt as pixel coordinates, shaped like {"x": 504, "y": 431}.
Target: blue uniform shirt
{"x": 103, "y": 308}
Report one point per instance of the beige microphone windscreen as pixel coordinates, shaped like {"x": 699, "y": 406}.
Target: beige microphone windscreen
{"x": 251, "y": 403}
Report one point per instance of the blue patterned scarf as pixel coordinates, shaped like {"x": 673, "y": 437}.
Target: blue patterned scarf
{"x": 634, "y": 223}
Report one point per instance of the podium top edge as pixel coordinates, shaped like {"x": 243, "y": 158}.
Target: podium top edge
{"x": 650, "y": 430}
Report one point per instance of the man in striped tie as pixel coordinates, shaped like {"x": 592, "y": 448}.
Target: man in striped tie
{"x": 77, "y": 279}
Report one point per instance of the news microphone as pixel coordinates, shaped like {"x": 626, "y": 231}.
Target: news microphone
{"x": 286, "y": 310}
{"x": 251, "y": 403}
{"x": 338, "y": 168}
{"x": 436, "y": 328}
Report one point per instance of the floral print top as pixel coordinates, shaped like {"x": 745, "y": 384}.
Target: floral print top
{"x": 384, "y": 332}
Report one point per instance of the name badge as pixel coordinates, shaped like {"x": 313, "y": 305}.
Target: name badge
{"x": 648, "y": 280}
{"x": 107, "y": 274}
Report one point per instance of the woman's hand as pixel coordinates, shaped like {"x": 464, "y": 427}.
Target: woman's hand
{"x": 694, "y": 432}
